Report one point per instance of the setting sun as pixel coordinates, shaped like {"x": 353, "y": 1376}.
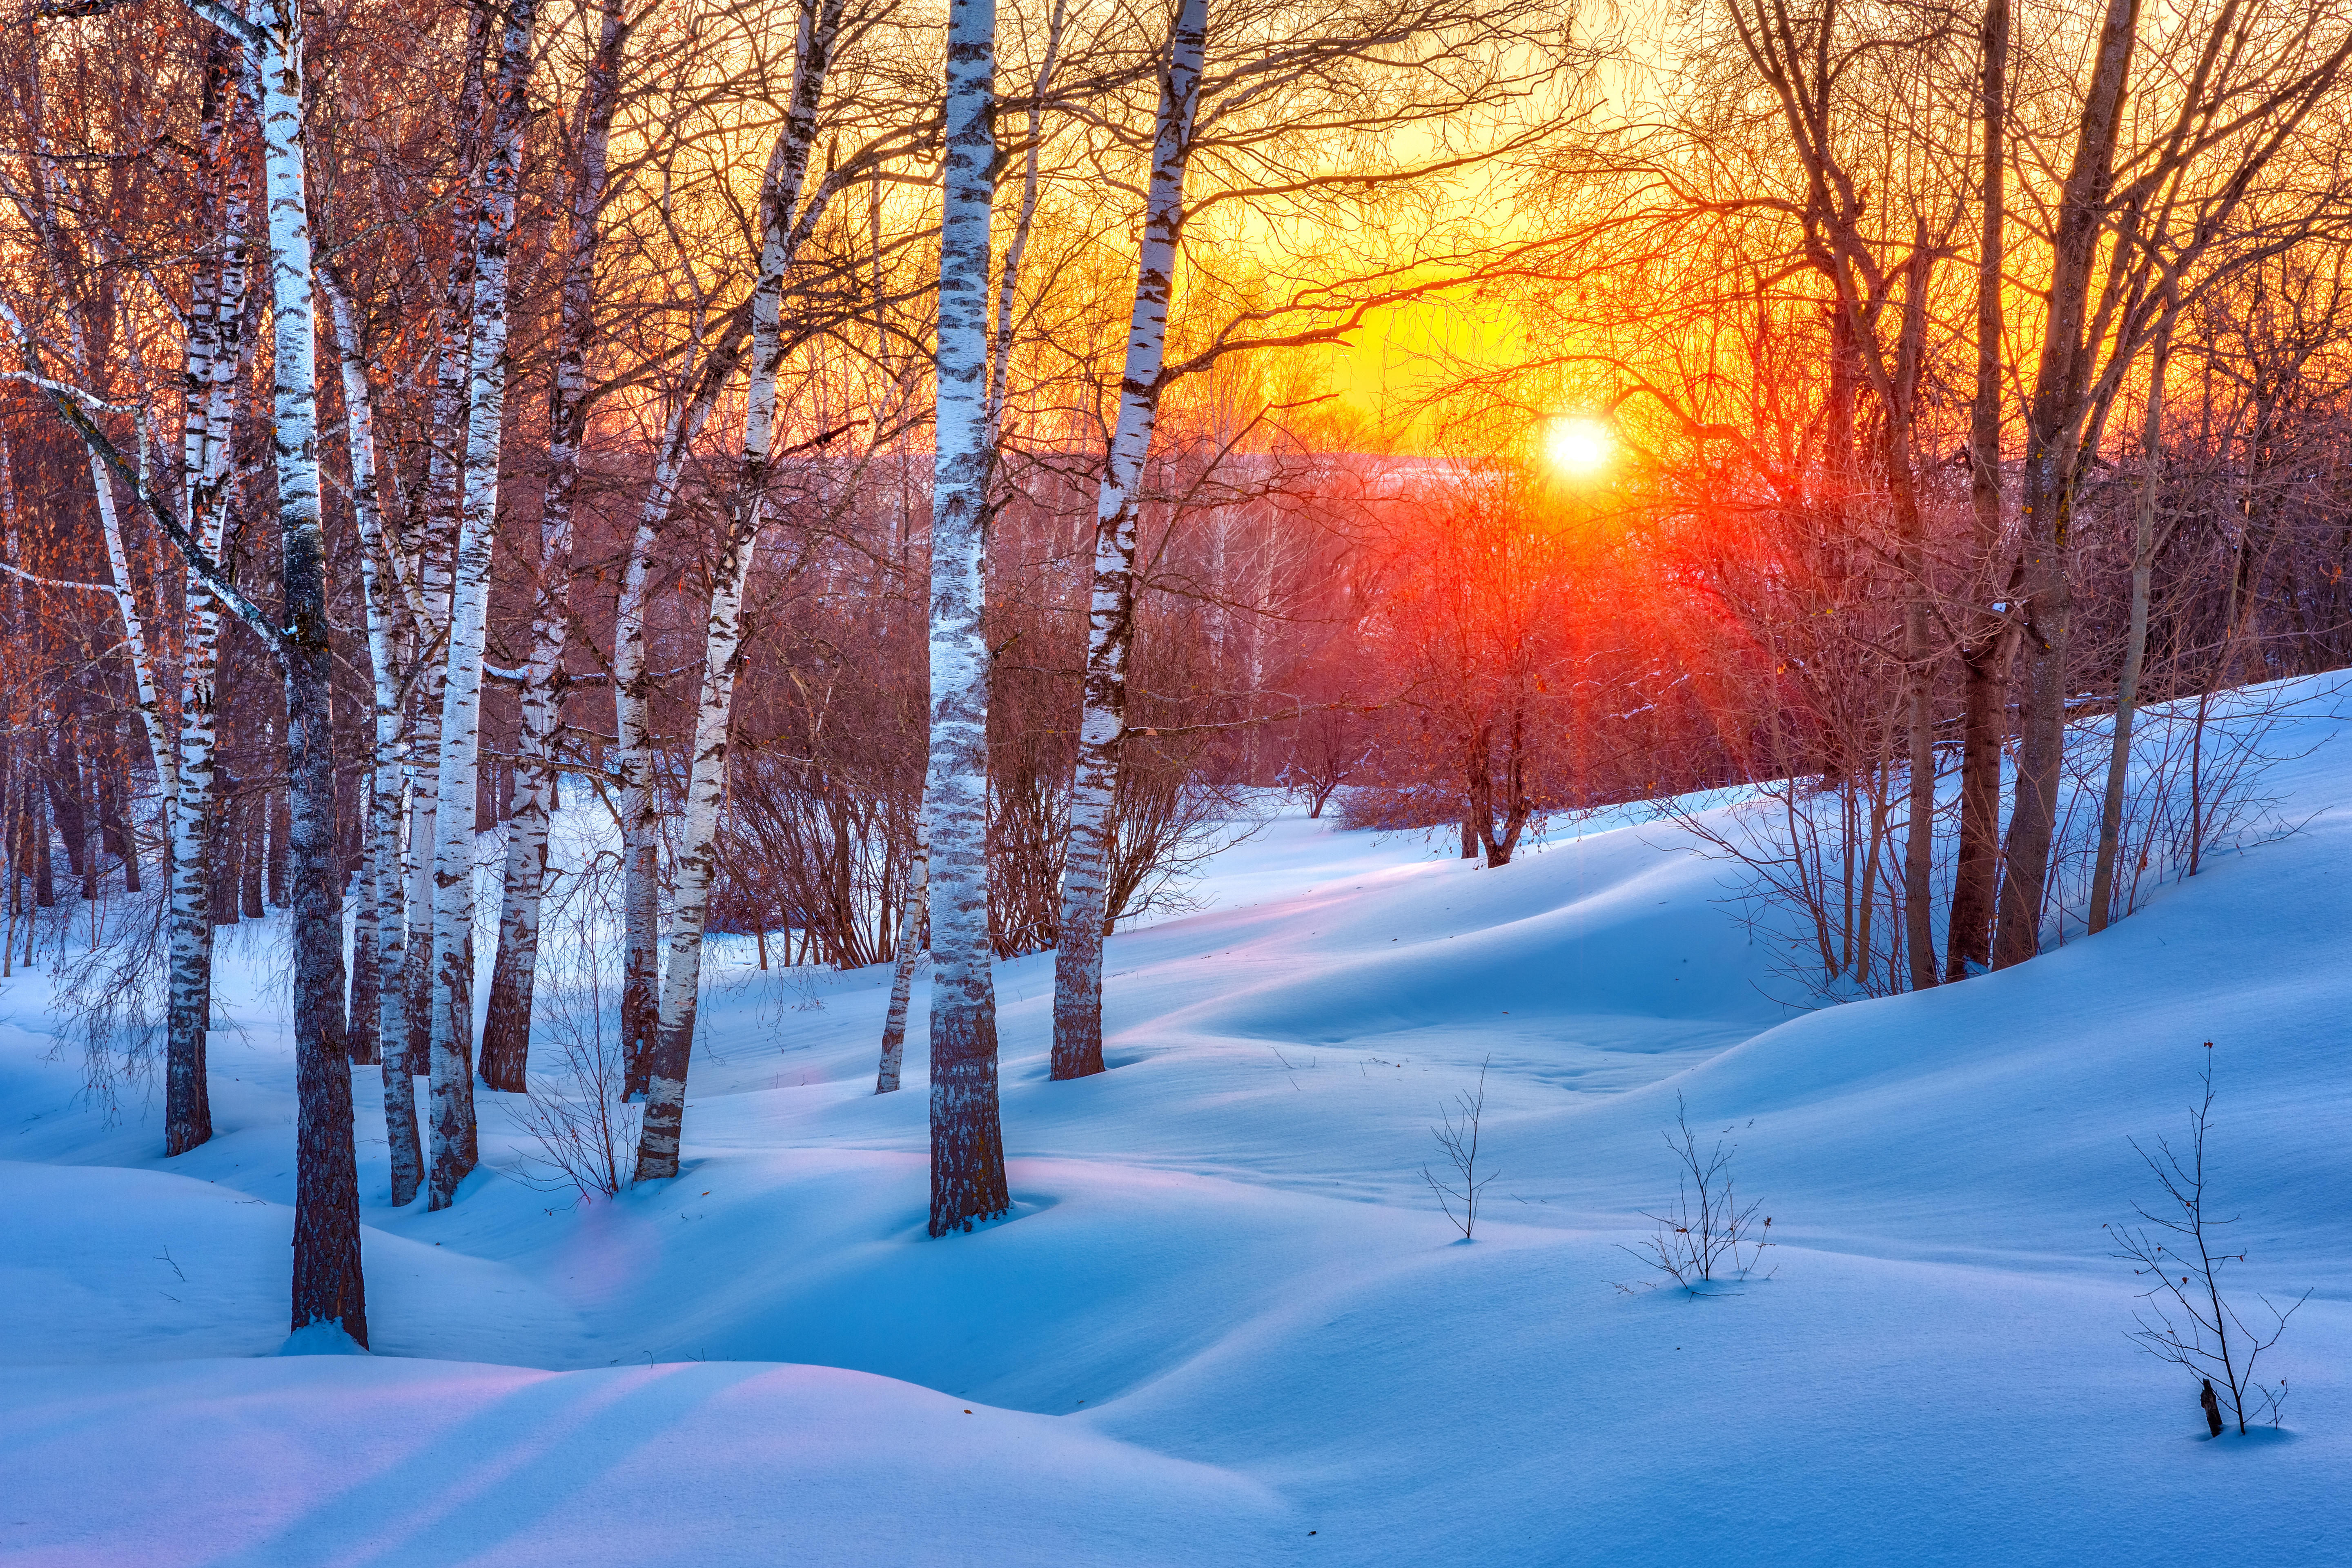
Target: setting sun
{"x": 1577, "y": 446}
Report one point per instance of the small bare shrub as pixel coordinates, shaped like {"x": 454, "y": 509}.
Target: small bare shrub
{"x": 1708, "y": 1232}
{"x": 585, "y": 1127}
{"x": 1458, "y": 1137}
{"x": 2188, "y": 1321}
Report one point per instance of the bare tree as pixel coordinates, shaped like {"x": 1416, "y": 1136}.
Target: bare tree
{"x": 1457, "y": 1137}
{"x": 1707, "y": 1230}
{"x": 2188, "y": 1321}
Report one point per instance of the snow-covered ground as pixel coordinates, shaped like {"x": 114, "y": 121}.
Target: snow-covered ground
{"x": 1226, "y": 1323}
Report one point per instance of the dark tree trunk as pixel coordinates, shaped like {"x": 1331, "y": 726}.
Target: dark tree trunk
{"x": 253, "y": 815}
{"x": 63, "y": 781}
{"x": 45, "y": 883}
{"x": 120, "y": 842}
{"x": 220, "y": 886}
{"x": 281, "y": 825}
{"x": 1984, "y": 700}
{"x": 2053, "y": 429}
{"x": 363, "y": 1031}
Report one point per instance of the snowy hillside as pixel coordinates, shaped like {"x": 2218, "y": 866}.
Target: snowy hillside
{"x": 1226, "y": 1323}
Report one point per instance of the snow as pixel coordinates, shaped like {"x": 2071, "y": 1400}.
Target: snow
{"x": 1225, "y": 1311}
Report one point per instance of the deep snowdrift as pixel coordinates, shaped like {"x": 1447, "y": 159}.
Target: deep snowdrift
{"x": 1226, "y": 1313}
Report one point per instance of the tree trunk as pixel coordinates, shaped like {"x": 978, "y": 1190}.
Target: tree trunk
{"x": 968, "y": 1182}
{"x": 281, "y": 828}
{"x": 387, "y": 873}
{"x": 783, "y": 224}
{"x": 363, "y": 1020}
{"x": 440, "y": 502}
{"x": 214, "y": 392}
{"x": 2144, "y": 543}
{"x": 1078, "y": 940}
{"x": 2051, "y": 447}
{"x": 1919, "y": 654}
{"x": 632, "y": 696}
{"x": 914, "y": 914}
{"x": 505, "y": 1028}
{"x": 657, "y": 1145}
{"x": 327, "y": 1286}
{"x": 1985, "y": 639}
{"x": 253, "y": 814}
{"x": 455, "y": 1151}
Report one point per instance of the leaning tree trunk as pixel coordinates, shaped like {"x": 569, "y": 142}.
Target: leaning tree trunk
{"x": 328, "y": 1287}
{"x": 631, "y": 697}
{"x": 967, "y": 1181}
{"x": 506, "y": 1023}
{"x": 781, "y": 228}
{"x": 665, "y": 1110}
{"x": 455, "y": 1151}
{"x": 2051, "y": 433}
{"x": 1085, "y": 877}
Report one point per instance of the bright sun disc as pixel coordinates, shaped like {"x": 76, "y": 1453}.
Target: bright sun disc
{"x": 1577, "y": 446}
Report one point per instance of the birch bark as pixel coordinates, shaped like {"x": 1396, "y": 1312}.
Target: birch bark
{"x": 911, "y": 943}
{"x": 388, "y": 755}
{"x": 782, "y": 222}
{"x": 214, "y": 383}
{"x": 326, "y": 1284}
{"x": 506, "y": 1026}
{"x": 914, "y": 921}
{"x": 454, "y": 1144}
{"x": 440, "y": 499}
{"x": 632, "y": 698}
{"x": 968, "y": 1182}
{"x": 1077, "y": 956}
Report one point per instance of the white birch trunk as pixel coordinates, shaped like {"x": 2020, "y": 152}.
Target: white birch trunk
{"x": 134, "y": 633}
{"x": 968, "y": 1182}
{"x": 327, "y": 1282}
{"x": 914, "y": 915}
{"x": 505, "y": 1028}
{"x": 782, "y": 222}
{"x": 453, "y": 1145}
{"x": 1077, "y": 957}
{"x": 215, "y": 383}
{"x": 631, "y": 696}
{"x": 383, "y": 837}
{"x": 436, "y": 552}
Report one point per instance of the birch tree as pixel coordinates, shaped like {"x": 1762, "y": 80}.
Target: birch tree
{"x": 506, "y": 1028}
{"x": 968, "y": 1183}
{"x": 786, "y": 219}
{"x": 453, "y": 1145}
{"x": 632, "y": 703}
{"x": 328, "y": 1290}
{"x": 439, "y": 499}
{"x": 378, "y": 557}
{"x": 1288, "y": 86}
{"x": 1077, "y": 957}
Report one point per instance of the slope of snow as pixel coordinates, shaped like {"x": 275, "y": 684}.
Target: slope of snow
{"x": 1225, "y": 1312}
